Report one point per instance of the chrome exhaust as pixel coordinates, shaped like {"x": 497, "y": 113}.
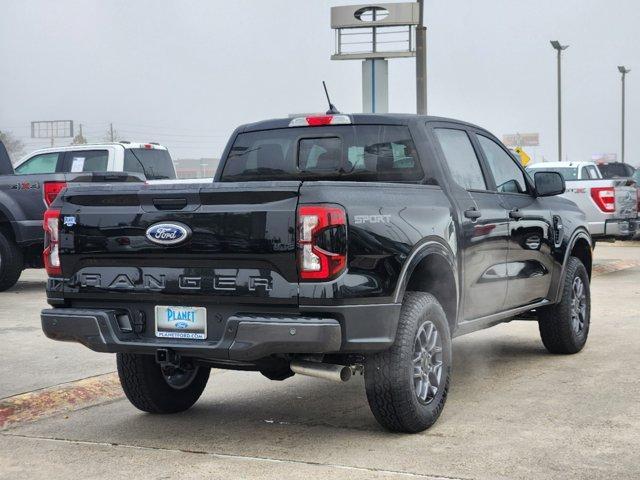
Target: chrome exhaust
{"x": 335, "y": 373}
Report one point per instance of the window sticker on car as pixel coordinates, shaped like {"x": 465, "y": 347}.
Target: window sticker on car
{"x": 77, "y": 165}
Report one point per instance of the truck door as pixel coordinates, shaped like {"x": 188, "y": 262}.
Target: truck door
{"x": 529, "y": 260}
{"x": 483, "y": 225}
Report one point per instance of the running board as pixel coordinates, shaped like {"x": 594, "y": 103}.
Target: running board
{"x": 491, "y": 320}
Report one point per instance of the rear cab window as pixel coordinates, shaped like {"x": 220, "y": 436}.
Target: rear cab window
{"x": 345, "y": 152}
{"x": 153, "y": 163}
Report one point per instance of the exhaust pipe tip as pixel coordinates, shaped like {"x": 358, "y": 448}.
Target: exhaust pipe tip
{"x": 327, "y": 371}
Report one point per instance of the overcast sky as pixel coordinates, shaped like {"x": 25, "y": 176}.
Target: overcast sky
{"x": 186, "y": 73}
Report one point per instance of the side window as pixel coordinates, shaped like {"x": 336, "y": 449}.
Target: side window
{"x": 461, "y": 158}
{"x": 593, "y": 172}
{"x": 87, "y": 161}
{"x": 44, "y": 163}
{"x": 584, "y": 174}
{"x": 509, "y": 178}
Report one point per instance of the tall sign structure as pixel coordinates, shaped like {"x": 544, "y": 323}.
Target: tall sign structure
{"x": 374, "y": 33}
{"x": 52, "y": 129}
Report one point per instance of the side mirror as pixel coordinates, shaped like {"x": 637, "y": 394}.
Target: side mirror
{"x": 549, "y": 184}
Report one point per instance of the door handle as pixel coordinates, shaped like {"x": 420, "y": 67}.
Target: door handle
{"x": 516, "y": 214}
{"x": 472, "y": 213}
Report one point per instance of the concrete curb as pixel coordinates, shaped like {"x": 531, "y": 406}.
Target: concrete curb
{"x": 604, "y": 267}
{"x": 31, "y": 406}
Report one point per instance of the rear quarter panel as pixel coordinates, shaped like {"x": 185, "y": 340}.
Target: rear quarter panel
{"x": 386, "y": 223}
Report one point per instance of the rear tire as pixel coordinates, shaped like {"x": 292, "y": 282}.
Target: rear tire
{"x": 150, "y": 390}
{"x": 11, "y": 262}
{"x": 407, "y": 385}
{"x": 564, "y": 327}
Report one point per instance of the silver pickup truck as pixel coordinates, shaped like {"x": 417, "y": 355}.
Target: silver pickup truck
{"x": 611, "y": 206}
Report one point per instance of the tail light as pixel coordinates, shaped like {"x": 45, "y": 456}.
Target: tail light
{"x": 322, "y": 246}
{"x": 50, "y": 191}
{"x": 51, "y": 254}
{"x": 605, "y": 198}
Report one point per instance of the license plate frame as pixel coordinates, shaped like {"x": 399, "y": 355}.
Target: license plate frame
{"x": 175, "y": 322}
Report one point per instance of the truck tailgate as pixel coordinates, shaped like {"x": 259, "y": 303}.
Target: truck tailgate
{"x": 626, "y": 200}
{"x": 240, "y": 244}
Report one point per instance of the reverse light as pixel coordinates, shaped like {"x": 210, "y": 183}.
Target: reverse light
{"x": 50, "y": 191}
{"x": 320, "y": 120}
{"x": 51, "y": 253}
{"x": 321, "y": 241}
{"x": 605, "y": 198}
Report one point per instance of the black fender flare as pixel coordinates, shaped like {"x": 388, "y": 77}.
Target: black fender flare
{"x": 426, "y": 247}
{"x": 6, "y": 213}
{"x": 579, "y": 233}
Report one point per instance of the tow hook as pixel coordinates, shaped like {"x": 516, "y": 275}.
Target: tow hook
{"x": 168, "y": 360}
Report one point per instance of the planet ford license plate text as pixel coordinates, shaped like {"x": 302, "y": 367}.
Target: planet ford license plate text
{"x": 181, "y": 322}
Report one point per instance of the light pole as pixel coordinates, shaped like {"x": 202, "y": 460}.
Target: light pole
{"x": 421, "y": 63}
{"x": 556, "y": 45}
{"x": 623, "y": 70}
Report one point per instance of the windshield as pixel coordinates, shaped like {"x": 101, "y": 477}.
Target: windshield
{"x": 153, "y": 163}
{"x": 362, "y": 152}
{"x": 568, "y": 173}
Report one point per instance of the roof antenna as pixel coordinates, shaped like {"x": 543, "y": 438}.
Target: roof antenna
{"x": 332, "y": 108}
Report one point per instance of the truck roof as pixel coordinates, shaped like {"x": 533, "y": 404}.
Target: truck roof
{"x": 85, "y": 146}
{"x": 356, "y": 119}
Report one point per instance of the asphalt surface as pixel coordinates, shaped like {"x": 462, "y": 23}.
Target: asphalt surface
{"x": 514, "y": 411}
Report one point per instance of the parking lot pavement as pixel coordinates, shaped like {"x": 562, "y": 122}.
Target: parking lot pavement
{"x": 30, "y": 360}
{"x": 514, "y": 411}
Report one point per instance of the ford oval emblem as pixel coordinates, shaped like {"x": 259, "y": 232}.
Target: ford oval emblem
{"x": 168, "y": 233}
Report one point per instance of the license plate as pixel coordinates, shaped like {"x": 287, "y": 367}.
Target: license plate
{"x": 181, "y": 322}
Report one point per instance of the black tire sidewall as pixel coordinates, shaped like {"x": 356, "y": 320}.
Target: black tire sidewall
{"x": 147, "y": 389}
{"x": 429, "y": 412}
{"x": 556, "y": 329}
{"x": 11, "y": 262}
{"x": 389, "y": 375}
{"x": 578, "y": 339}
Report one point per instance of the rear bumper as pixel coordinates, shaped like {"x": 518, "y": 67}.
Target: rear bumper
{"x": 245, "y": 337}
{"x": 614, "y": 228}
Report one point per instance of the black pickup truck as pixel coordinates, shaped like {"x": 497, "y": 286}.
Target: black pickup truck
{"x": 326, "y": 245}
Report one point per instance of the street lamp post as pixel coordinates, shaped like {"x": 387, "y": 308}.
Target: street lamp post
{"x": 559, "y": 48}
{"x": 421, "y": 63}
{"x": 623, "y": 70}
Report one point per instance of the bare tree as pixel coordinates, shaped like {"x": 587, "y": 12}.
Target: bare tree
{"x": 15, "y": 148}
{"x": 79, "y": 139}
{"x": 111, "y": 135}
